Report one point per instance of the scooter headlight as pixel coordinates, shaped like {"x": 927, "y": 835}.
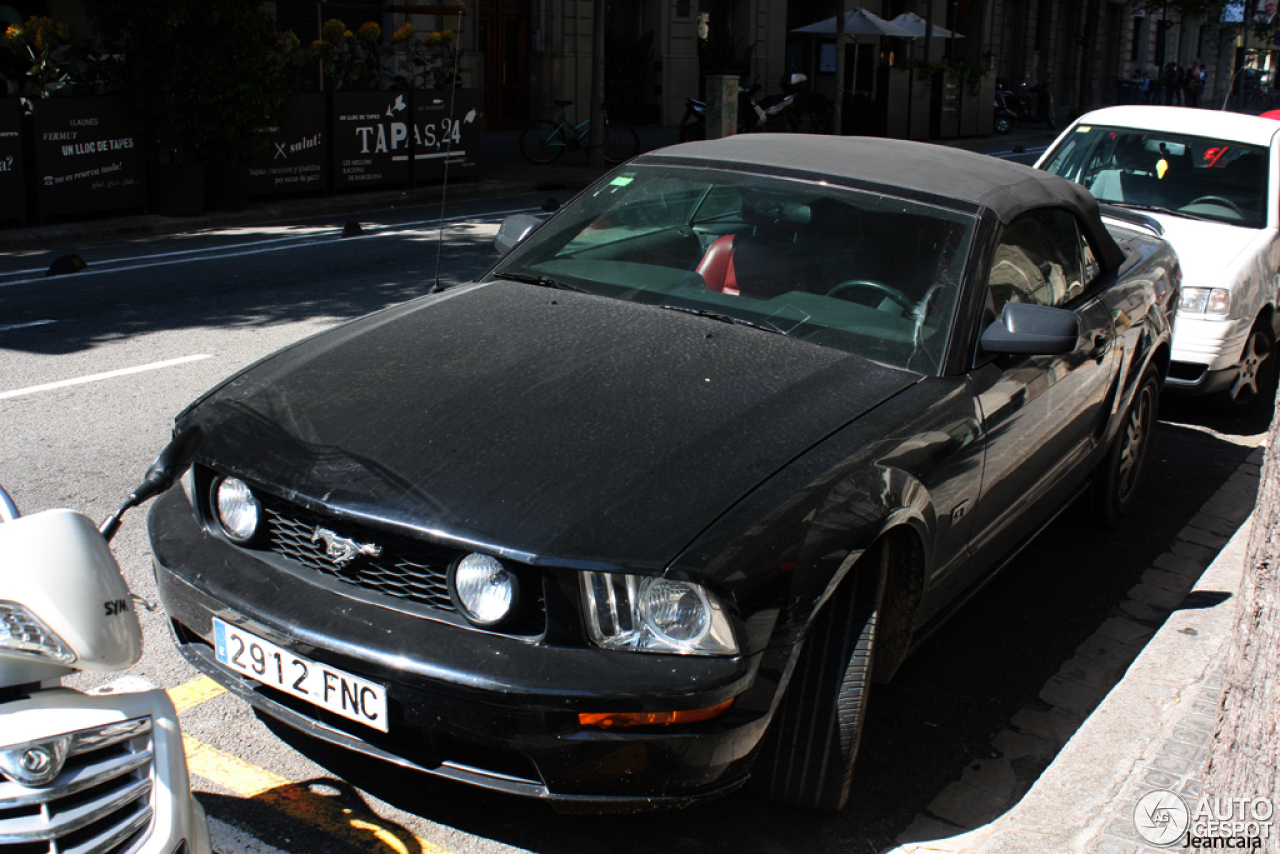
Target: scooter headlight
{"x": 23, "y": 634}
{"x": 237, "y": 508}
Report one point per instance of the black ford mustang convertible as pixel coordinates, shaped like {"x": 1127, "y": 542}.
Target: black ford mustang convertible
{"x": 641, "y": 514}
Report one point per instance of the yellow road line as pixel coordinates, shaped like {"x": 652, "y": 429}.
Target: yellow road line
{"x": 194, "y": 693}
{"x": 326, "y": 814}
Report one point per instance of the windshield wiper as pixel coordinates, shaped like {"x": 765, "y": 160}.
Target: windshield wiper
{"x": 722, "y": 317}
{"x": 1134, "y": 206}
{"x": 540, "y": 281}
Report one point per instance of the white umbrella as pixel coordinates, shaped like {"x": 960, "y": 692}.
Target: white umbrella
{"x": 918, "y": 26}
{"x": 859, "y": 22}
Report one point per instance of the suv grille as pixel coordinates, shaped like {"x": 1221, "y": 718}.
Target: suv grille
{"x": 100, "y": 803}
{"x": 408, "y": 569}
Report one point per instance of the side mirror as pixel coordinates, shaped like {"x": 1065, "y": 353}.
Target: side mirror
{"x": 514, "y": 230}
{"x": 173, "y": 461}
{"x": 1032, "y": 330}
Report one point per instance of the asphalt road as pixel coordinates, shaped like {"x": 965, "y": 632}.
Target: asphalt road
{"x": 149, "y": 325}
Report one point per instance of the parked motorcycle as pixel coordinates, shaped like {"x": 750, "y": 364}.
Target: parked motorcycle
{"x": 693, "y": 126}
{"x": 1006, "y": 108}
{"x": 772, "y": 112}
{"x": 1032, "y": 103}
{"x": 96, "y": 773}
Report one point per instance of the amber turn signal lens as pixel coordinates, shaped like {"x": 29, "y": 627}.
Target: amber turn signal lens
{"x": 615, "y": 720}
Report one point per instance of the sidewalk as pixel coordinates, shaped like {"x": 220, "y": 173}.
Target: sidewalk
{"x": 1133, "y": 713}
{"x": 503, "y": 172}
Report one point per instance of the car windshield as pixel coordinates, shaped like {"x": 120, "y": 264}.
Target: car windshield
{"x": 1188, "y": 175}
{"x": 859, "y": 271}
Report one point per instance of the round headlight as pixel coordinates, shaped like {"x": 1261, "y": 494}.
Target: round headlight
{"x": 675, "y": 611}
{"x": 484, "y": 590}
{"x": 237, "y": 508}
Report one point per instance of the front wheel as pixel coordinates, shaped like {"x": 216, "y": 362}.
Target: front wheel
{"x": 620, "y": 142}
{"x": 1003, "y": 124}
{"x": 807, "y": 755}
{"x": 1116, "y": 484}
{"x": 693, "y": 131}
{"x": 542, "y": 141}
{"x": 1255, "y": 384}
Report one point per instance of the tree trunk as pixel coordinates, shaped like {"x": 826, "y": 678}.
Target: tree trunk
{"x": 1242, "y": 759}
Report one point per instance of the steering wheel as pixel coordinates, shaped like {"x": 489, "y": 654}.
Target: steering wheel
{"x": 1217, "y": 200}
{"x": 907, "y": 304}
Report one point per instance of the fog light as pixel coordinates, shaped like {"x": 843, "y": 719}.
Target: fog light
{"x": 483, "y": 589}
{"x": 237, "y": 508}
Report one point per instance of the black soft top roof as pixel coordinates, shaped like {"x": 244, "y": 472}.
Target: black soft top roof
{"x": 1003, "y": 187}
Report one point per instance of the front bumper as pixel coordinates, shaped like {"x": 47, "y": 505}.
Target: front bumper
{"x": 490, "y": 710}
{"x": 1206, "y": 353}
{"x": 156, "y": 820}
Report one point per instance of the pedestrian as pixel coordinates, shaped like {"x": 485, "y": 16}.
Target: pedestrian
{"x": 1145, "y": 88}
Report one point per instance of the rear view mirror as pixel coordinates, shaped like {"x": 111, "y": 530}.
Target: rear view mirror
{"x": 1032, "y": 330}
{"x": 514, "y": 230}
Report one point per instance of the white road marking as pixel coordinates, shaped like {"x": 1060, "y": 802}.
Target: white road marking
{"x": 256, "y": 247}
{"x": 26, "y": 325}
{"x": 92, "y": 378}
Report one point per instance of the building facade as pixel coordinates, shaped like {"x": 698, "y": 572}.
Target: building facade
{"x": 525, "y": 54}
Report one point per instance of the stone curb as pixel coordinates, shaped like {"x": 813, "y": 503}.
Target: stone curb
{"x": 1112, "y": 711}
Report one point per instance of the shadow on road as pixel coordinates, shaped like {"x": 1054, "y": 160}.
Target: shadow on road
{"x": 337, "y": 279}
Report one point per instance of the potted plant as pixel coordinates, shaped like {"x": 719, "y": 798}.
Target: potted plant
{"x": 203, "y": 80}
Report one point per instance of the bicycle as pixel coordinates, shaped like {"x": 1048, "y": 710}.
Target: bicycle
{"x": 546, "y": 139}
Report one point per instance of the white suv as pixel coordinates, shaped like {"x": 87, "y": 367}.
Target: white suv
{"x": 1207, "y": 182}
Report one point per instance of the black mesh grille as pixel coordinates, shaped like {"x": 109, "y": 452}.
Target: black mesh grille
{"x": 408, "y": 569}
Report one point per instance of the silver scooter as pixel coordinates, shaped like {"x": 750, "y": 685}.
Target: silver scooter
{"x": 85, "y": 773}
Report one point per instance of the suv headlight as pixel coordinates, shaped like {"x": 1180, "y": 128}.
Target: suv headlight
{"x": 646, "y": 614}
{"x": 1205, "y": 300}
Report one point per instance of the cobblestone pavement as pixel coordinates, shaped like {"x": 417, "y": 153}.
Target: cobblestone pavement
{"x": 1174, "y": 766}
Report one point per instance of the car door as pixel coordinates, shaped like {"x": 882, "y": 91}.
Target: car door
{"x": 1040, "y": 414}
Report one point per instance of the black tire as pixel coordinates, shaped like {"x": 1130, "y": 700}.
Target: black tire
{"x": 807, "y": 756}
{"x": 693, "y": 132}
{"x": 1118, "y": 479}
{"x": 620, "y": 142}
{"x": 541, "y": 142}
{"x": 1256, "y": 383}
{"x": 1003, "y": 124}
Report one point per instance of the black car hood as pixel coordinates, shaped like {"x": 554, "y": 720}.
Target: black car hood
{"x": 551, "y": 425}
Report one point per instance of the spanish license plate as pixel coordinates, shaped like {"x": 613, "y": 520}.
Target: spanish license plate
{"x": 327, "y": 687}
